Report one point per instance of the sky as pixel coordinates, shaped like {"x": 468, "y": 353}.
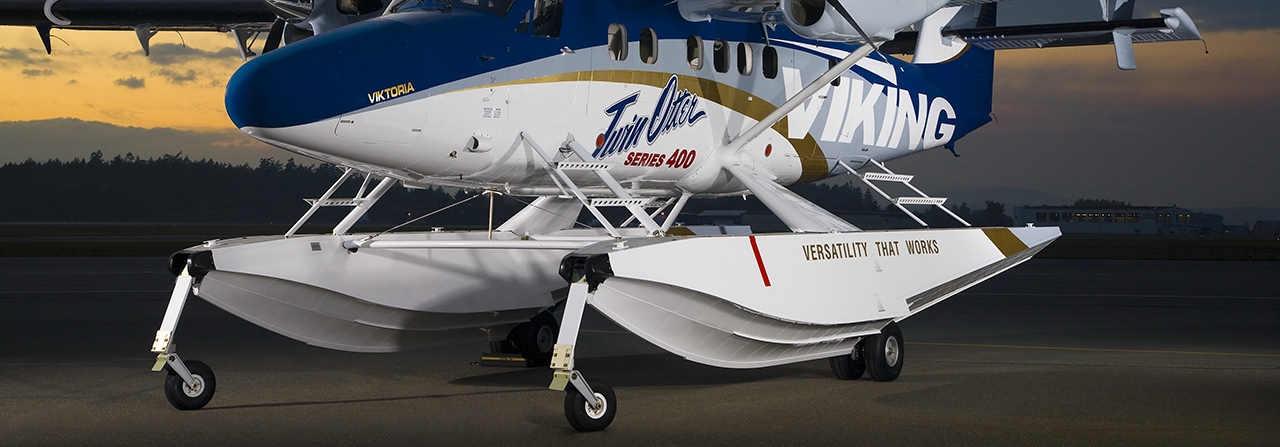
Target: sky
{"x": 1186, "y": 128}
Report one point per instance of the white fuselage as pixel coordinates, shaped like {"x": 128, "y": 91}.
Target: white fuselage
{"x": 467, "y": 133}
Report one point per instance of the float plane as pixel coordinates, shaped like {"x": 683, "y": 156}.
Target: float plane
{"x": 641, "y": 105}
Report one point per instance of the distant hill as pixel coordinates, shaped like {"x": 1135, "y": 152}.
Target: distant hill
{"x": 67, "y": 138}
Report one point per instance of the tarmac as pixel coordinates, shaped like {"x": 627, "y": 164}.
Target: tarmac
{"x": 1053, "y": 352}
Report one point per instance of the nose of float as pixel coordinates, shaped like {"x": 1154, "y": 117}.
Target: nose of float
{"x": 318, "y": 78}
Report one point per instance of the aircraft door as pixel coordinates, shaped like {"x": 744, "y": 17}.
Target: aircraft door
{"x": 550, "y": 89}
{"x": 394, "y": 123}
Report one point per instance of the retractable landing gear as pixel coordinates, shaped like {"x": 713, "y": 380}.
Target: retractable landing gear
{"x": 589, "y": 405}
{"x": 536, "y": 339}
{"x": 884, "y": 354}
{"x": 880, "y": 356}
{"x": 189, "y": 385}
{"x": 850, "y": 366}
{"x": 533, "y": 340}
{"x": 585, "y": 417}
{"x": 192, "y": 395}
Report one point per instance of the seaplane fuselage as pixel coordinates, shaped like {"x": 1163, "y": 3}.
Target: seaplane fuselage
{"x": 440, "y": 97}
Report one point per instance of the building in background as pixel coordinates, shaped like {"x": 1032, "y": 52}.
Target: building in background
{"x": 1125, "y": 220}
{"x": 1266, "y": 228}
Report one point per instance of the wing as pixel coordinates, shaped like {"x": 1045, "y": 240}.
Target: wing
{"x": 283, "y": 19}
{"x": 1173, "y": 25}
{"x": 201, "y": 15}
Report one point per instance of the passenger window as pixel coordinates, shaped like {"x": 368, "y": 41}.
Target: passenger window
{"x": 618, "y": 42}
{"x": 744, "y": 59}
{"x": 547, "y": 15}
{"x": 720, "y": 53}
{"x": 648, "y": 46}
{"x": 523, "y": 26}
{"x": 831, "y": 63}
{"x": 693, "y": 52}
{"x": 769, "y": 62}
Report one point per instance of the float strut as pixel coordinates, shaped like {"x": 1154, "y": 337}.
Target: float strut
{"x": 163, "y": 346}
{"x": 562, "y": 358}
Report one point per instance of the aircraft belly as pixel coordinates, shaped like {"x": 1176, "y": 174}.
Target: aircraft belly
{"x": 753, "y": 301}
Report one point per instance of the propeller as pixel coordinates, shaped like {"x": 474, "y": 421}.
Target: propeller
{"x": 274, "y": 36}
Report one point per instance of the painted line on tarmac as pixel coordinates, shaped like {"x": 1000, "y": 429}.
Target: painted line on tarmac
{"x": 21, "y": 292}
{"x": 1067, "y": 348}
{"x": 1112, "y": 295}
{"x": 1045, "y": 348}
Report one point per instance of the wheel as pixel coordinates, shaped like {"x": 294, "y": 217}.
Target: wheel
{"x": 195, "y": 397}
{"x": 537, "y": 339}
{"x": 884, "y": 354}
{"x": 849, "y": 366}
{"x": 583, "y": 417}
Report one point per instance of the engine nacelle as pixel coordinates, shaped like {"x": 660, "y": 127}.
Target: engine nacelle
{"x": 729, "y": 10}
{"x": 321, "y": 16}
{"x": 817, "y": 19}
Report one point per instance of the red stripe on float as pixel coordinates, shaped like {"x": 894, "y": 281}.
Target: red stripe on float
{"x": 759, "y": 262}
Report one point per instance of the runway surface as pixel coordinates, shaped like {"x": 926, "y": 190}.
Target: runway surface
{"x": 1054, "y": 352}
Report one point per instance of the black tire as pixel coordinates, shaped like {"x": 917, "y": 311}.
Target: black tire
{"x": 581, "y": 417}
{"x": 183, "y": 397}
{"x": 850, "y": 366}
{"x": 536, "y": 340}
{"x": 884, "y": 354}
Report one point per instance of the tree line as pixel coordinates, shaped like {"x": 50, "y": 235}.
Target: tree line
{"x": 177, "y": 189}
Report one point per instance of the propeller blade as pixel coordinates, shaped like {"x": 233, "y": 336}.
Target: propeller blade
{"x": 44, "y": 37}
{"x": 274, "y": 36}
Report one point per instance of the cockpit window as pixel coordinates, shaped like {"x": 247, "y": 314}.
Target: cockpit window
{"x": 495, "y": 7}
{"x": 351, "y": 7}
{"x": 546, "y": 17}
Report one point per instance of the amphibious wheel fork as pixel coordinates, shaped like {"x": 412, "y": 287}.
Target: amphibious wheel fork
{"x": 590, "y": 405}
{"x": 189, "y": 385}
